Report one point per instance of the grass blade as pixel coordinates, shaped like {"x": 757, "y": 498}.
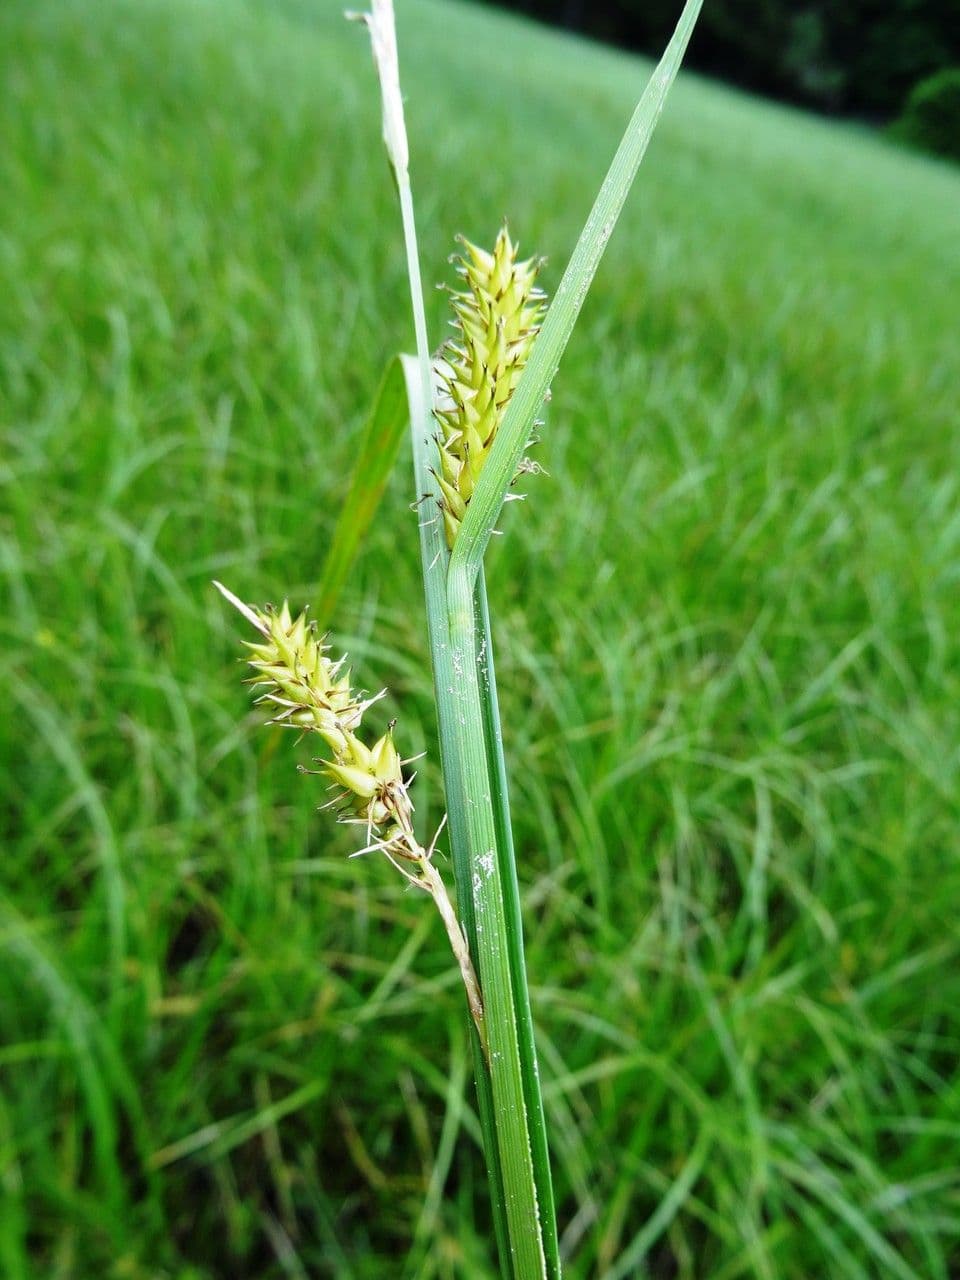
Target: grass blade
{"x": 385, "y": 428}
{"x": 632, "y": 1259}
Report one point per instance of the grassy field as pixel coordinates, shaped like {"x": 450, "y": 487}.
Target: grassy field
{"x": 728, "y": 643}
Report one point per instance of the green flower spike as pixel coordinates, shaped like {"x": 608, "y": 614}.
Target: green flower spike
{"x": 311, "y": 693}
{"x": 497, "y": 318}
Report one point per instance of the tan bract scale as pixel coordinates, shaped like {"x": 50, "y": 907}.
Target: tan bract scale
{"x": 497, "y": 318}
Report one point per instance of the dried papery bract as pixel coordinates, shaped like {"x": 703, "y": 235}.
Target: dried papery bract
{"x": 307, "y": 691}
{"x": 383, "y": 42}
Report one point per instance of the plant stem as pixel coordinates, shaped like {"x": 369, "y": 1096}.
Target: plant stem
{"x": 464, "y": 755}
{"x": 511, "y": 901}
{"x": 493, "y": 940}
{"x": 433, "y": 556}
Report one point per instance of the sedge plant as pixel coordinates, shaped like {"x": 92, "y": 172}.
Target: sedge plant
{"x": 473, "y": 410}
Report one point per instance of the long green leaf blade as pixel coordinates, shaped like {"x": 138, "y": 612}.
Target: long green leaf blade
{"x": 385, "y": 428}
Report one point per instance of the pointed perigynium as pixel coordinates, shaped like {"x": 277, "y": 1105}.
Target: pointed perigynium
{"x": 309, "y": 692}
{"x": 497, "y": 318}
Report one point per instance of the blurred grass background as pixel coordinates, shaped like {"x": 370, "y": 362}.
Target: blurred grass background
{"x": 728, "y": 645}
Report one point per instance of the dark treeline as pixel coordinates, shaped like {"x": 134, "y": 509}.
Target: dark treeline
{"x": 853, "y": 56}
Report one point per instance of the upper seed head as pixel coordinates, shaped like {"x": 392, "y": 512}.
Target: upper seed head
{"x": 497, "y": 318}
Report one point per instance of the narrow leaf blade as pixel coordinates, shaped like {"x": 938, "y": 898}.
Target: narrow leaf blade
{"x": 379, "y": 446}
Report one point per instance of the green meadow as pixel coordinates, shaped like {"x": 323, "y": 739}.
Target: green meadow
{"x": 728, "y": 638}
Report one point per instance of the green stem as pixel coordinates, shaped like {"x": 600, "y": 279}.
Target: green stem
{"x": 511, "y": 899}
{"x": 493, "y": 940}
{"x": 433, "y": 555}
{"x": 433, "y": 560}
{"x": 418, "y": 375}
